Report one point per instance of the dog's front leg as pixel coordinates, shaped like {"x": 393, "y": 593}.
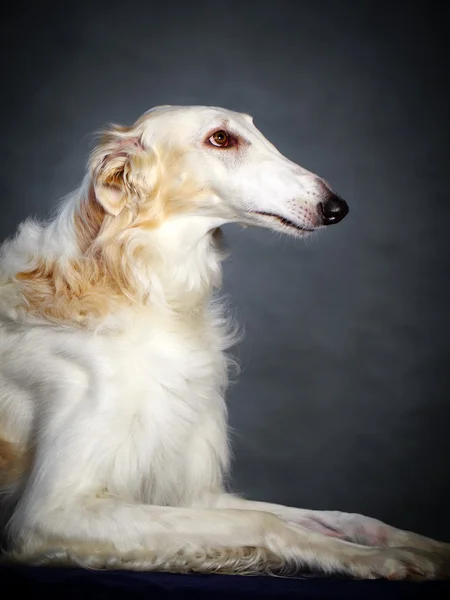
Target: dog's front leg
{"x": 110, "y": 533}
{"x": 346, "y": 526}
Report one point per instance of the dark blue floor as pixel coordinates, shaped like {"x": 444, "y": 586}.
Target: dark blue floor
{"x": 44, "y": 583}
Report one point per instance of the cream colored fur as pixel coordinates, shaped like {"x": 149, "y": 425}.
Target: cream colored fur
{"x": 113, "y": 429}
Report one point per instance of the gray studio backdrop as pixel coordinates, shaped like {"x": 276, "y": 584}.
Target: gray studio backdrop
{"x": 343, "y": 399}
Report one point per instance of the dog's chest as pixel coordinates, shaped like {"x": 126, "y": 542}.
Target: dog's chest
{"x": 167, "y": 368}
{"x": 168, "y": 401}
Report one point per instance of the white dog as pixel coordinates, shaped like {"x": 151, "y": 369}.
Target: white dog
{"x": 113, "y": 432}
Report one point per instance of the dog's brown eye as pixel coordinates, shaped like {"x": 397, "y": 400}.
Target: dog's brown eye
{"x": 220, "y": 138}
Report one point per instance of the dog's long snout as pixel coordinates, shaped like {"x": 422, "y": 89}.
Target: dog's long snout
{"x": 333, "y": 209}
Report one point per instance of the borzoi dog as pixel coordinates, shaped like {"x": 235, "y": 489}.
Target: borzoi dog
{"x": 113, "y": 366}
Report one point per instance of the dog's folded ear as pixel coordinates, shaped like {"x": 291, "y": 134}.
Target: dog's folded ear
{"x": 118, "y": 170}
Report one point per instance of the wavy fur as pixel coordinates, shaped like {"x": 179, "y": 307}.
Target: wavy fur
{"x": 113, "y": 367}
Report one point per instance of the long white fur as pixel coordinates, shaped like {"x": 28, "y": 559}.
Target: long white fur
{"x": 122, "y": 416}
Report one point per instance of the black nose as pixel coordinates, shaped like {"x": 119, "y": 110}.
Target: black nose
{"x": 333, "y": 209}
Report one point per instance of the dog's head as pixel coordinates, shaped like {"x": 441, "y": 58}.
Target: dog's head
{"x": 211, "y": 163}
{"x": 152, "y": 194}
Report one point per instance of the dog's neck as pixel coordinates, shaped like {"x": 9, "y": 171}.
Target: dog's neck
{"x": 169, "y": 271}
{"x": 173, "y": 267}
{"x": 184, "y": 264}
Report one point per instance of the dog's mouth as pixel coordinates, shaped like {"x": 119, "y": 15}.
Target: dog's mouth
{"x": 283, "y": 221}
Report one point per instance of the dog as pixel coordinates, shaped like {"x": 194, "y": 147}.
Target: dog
{"x": 113, "y": 366}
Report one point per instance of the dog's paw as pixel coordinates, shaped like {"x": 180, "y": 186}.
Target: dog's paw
{"x": 406, "y": 564}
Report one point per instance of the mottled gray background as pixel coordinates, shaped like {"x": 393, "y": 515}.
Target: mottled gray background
{"x": 343, "y": 401}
